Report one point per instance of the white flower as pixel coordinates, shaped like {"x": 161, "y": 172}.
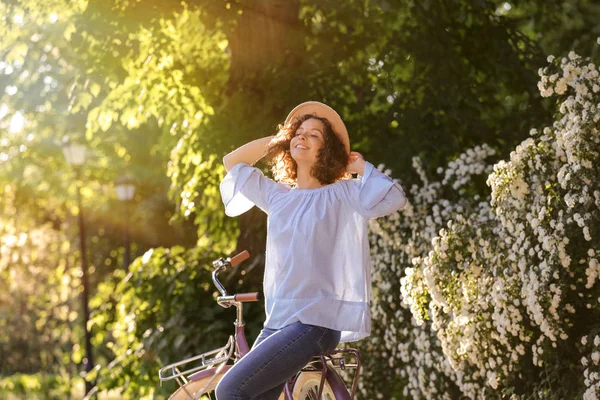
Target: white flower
{"x": 586, "y": 233}
{"x": 492, "y": 379}
{"x": 561, "y": 86}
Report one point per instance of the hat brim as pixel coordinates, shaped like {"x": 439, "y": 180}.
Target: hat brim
{"x": 324, "y": 111}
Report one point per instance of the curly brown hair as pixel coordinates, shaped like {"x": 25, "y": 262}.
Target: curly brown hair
{"x": 332, "y": 158}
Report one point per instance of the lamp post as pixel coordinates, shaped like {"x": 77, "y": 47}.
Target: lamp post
{"x": 125, "y": 189}
{"x": 75, "y": 155}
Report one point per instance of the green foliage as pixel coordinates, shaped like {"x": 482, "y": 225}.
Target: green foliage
{"x": 35, "y": 272}
{"x": 161, "y": 312}
{"x": 35, "y": 386}
{"x": 40, "y": 266}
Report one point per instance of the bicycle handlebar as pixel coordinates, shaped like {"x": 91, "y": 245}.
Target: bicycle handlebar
{"x": 238, "y": 258}
{"x": 247, "y": 297}
{"x": 223, "y": 263}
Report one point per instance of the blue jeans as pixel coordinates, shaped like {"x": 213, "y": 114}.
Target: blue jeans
{"x": 276, "y": 356}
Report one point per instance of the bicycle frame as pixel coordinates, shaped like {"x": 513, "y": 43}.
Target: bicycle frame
{"x": 213, "y": 364}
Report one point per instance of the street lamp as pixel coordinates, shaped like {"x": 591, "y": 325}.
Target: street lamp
{"x": 75, "y": 155}
{"x": 125, "y": 188}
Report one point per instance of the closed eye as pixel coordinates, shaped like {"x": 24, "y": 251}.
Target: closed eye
{"x": 298, "y": 132}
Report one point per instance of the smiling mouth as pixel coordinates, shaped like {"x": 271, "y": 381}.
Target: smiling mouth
{"x": 299, "y": 146}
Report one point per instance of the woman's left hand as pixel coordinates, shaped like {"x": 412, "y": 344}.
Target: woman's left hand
{"x": 356, "y": 163}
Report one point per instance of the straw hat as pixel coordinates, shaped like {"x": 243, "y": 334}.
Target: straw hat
{"x": 323, "y": 111}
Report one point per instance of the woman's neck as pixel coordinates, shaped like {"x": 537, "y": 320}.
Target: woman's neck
{"x": 304, "y": 180}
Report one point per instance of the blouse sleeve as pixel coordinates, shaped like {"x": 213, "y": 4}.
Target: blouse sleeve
{"x": 243, "y": 187}
{"x": 376, "y": 194}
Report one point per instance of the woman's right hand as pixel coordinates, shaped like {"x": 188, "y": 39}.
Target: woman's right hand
{"x": 249, "y": 153}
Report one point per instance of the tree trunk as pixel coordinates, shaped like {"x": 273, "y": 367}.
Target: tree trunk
{"x": 265, "y": 34}
{"x": 268, "y": 35}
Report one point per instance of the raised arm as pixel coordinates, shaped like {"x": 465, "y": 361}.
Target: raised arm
{"x": 249, "y": 153}
{"x": 375, "y": 194}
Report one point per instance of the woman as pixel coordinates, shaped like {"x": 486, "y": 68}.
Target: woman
{"x": 317, "y": 272}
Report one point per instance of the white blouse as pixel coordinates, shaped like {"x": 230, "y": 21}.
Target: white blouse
{"x": 317, "y": 264}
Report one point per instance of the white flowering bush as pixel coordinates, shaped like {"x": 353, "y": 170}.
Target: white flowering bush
{"x": 591, "y": 363}
{"x": 415, "y": 361}
{"x": 487, "y": 298}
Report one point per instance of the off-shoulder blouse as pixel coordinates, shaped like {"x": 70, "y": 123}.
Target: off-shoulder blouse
{"x": 317, "y": 264}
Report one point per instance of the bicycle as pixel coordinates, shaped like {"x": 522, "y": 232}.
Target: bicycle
{"x": 317, "y": 380}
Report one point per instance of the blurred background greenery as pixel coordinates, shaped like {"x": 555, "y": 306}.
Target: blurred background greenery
{"x": 160, "y": 91}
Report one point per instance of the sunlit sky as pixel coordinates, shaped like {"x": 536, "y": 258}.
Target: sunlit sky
{"x": 16, "y": 123}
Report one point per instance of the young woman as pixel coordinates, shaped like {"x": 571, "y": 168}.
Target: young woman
{"x": 317, "y": 271}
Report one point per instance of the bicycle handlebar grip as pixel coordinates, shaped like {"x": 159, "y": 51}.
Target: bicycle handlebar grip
{"x": 238, "y": 258}
{"x": 247, "y": 297}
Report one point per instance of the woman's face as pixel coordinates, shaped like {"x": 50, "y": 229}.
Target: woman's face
{"x": 307, "y": 141}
